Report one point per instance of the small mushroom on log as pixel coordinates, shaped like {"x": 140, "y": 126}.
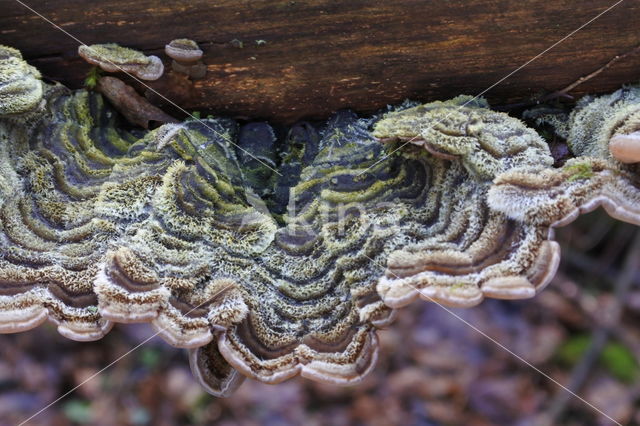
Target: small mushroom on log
{"x": 187, "y": 58}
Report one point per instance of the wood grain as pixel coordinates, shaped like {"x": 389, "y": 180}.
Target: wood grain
{"x": 323, "y": 55}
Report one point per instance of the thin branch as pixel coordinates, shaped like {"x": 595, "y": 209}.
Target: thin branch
{"x": 564, "y": 93}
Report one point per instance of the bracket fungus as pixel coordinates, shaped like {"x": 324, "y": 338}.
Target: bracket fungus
{"x": 187, "y": 58}
{"x": 20, "y": 85}
{"x": 101, "y": 224}
{"x": 618, "y": 115}
{"x": 114, "y": 58}
{"x": 601, "y": 133}
{"x": 626, "y": 147}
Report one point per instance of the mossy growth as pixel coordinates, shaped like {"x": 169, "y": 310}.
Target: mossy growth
{"x": 616, "y": 358}
{"x": 91, "y": 80}
{"x": 580, "y": 171}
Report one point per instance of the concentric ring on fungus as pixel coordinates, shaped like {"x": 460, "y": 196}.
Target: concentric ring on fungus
{"x": 100, "y": 224}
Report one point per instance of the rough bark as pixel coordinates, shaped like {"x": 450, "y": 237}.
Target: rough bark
{"x": 321, "y": 55}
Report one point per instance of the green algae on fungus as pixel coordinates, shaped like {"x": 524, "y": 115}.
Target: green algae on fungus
{"x": 580, "y": 171}
{"x": 270, "y": 276}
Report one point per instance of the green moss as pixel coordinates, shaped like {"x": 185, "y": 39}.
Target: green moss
{"x": 572, "y": 350}
{"x": 91, "y": 80}
{"x": 620, "y": 362}
{"x": 616, "y": 358}
{"x": 150, "y": 357}
{"x": 77, "y": 411}
{"x": 580, "y": 171}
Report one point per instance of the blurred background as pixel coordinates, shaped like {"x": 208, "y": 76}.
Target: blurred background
{"x": 433, "y": 369}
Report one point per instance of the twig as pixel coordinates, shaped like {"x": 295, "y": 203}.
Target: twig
{"x": 564, "y": 93}
{"x": 566, "y": 90}
{"x": 579, "y": 374}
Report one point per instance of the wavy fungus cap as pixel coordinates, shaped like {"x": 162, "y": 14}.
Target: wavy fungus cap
{"x": 20, "y": 86}
{"x": 473, "y": 251}
{"x": 603, "y": 134}
{"x": 114, "y": 58}
{"x": 607, "y": 126}
{"x": 99, "y": 224}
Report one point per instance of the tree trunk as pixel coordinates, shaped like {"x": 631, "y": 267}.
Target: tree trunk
{"x": 306, "y": 59}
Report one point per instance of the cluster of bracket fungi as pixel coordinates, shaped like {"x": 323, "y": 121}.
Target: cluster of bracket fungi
{"x": 271, "y": 261}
